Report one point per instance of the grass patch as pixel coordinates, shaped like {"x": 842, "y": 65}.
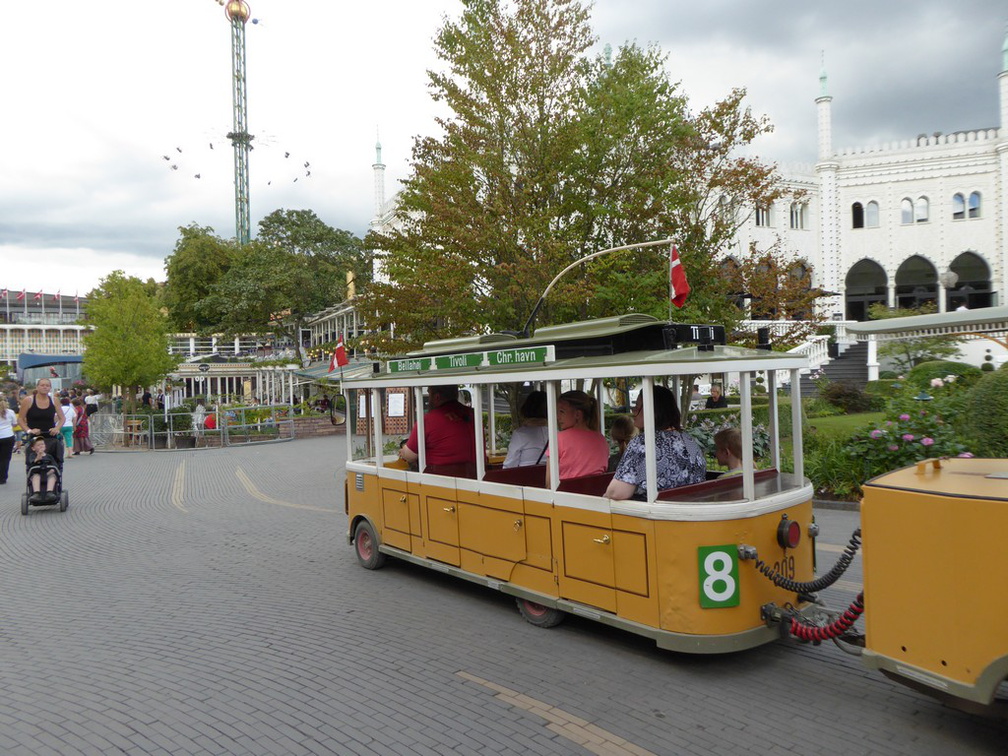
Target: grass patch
{"x": 843, "y": 427}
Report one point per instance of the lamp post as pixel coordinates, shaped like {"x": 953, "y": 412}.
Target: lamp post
{"x": 238, "y": 12}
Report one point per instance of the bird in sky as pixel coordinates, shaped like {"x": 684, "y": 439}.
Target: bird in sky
{"x": 166, "y": 157}
{"x": 179, "y": 149}
{"x": 174, "y": 167}
{"x": 197, "y": 175}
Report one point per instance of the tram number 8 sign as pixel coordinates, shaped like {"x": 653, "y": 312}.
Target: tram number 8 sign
{"x": 719, "y": 581}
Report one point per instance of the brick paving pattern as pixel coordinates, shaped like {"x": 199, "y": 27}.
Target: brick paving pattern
{"x": 207, "y": 602}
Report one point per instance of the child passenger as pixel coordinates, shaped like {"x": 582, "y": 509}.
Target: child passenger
{"x": 622, "y": 431}
{"x": 728, "y": 449}
{"x": 40, "y": 463}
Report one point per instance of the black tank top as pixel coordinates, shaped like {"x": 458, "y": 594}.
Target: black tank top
{"x": 43, "y": 419}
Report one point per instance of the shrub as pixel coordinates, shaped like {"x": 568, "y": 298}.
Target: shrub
{"x": 850, "y": 398}
{"x": 833, "y": 472}
{"x": 820, "y": 408}
{"x": 987, "y": 367}
{"x": 987, "y": 413}
{"x": 888, "y": 375}
{"x": 703, "y": 432}
{"x": 921, "y": 376}
{"x": 901, "y": 441}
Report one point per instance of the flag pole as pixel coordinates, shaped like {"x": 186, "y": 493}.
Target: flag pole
{"x": 671, "y": 293}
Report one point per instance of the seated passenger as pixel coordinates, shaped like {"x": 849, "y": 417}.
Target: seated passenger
{"x": 39, "y": 463}
{"x": 528, "y": 442}
{"x": 679, "y": 459}
{"x": 716, "y": 400}
{"x": 728, "y": 449}
{"x": 621, "y": 431}
{"x": 583, "y": 450}
{"x": 449, "y": 432}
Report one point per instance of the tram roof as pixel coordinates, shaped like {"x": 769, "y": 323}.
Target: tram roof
{"x": 986, "y": 321}
{"x": 593, "y": 349}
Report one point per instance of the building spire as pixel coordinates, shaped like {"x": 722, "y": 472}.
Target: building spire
{"x": 1004, "y": 51}
{"x": 377, "y": 147}
{"x": 822, "y": 74}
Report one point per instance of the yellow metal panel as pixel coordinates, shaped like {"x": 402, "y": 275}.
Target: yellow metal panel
{"x": 539, "y": 542}
{"x": 395, "y": 509}
{"x": 935, "y": 570}
{"x": 677, "y": 545}
{"x": 481, "y": 564}
{"x": 542, "y": 581}
{"x": 495, "y": 532}
{"x": 586, "y": 549}
{"x": 636, "y": 589}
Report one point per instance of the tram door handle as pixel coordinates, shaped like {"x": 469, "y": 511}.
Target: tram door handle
{"x": 449, "y": 510}
{"x": 402, "y": 499}
{"x": 604, "y": 539}
{"x": 517, "y": 525}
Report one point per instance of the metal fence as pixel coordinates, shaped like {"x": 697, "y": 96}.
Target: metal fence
{"x": 183, "y": 430}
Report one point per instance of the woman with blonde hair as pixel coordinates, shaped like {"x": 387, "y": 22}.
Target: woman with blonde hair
{"x": 39, "y": 415}
{"x": 582, "y": 449}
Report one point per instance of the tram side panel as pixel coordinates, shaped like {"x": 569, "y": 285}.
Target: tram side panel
{"x": 705, "y": 590}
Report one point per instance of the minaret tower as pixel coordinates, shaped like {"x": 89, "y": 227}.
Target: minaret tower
{"x": 379, "y": 182}
{"x": 829, "y": 220}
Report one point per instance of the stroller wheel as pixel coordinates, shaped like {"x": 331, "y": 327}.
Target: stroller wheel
{"x": 24, "y": 503}
{"x": 64, "y": 501}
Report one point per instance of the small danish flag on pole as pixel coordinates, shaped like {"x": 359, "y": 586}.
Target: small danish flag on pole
{"x": 22, "y": 294}
{"x": 339, "y": 357}
{"x": 678, "y": 284}
{"x": 38, "y": 296}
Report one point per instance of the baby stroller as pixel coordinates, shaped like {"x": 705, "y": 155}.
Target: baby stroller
{"x": 57, "y": 494}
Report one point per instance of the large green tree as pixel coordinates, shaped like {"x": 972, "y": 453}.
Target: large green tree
{"x": 548, "y": 154}
{"x": 129, "y": 344}
{"x": 195, "y": 267}
{"x": 296, "y": 266}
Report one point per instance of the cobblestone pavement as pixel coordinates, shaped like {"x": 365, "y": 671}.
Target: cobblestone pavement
{"x": 207, "y": 602}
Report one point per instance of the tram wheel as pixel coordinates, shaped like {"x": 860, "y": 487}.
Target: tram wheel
{"x": 539, "y": 615}
{"x": 366, "y": 546}
{"x": 24, "y": 503}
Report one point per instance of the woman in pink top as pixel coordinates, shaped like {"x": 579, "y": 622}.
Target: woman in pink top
{"x": 583, "y": 450}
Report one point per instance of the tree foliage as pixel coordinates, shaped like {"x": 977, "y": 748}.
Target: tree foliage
{"x": 129, "y": 344}
{"x": 906, "y": 353}
{"x": 198, "y": 263}
{"x": 549, "y": 154}
{"x": 296, "y": 266}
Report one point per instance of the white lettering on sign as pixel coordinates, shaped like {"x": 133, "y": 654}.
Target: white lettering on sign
{"x": 459, "y": 361}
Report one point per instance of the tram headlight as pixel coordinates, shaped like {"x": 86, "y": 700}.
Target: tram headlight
{"x": 788, "y": 533}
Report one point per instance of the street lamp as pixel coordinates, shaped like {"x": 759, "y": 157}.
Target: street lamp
{"x": 948, "y": 280}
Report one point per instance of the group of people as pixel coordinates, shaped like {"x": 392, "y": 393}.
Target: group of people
{"x": 581, "y": 448}
{"x": 43, "y": 415}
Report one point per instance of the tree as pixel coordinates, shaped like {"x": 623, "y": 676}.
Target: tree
{"x": 194, "y": 269}
{"x": 906, "y": 353}
{"x": 548, "y": 155}
{"x": 296, "y": 266}
{"x": 129, "y": 344}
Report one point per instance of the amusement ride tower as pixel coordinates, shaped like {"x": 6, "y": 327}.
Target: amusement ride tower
{"x": 238, "y": 14}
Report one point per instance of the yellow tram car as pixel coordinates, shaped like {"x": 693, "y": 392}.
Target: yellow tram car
{"x": 669, "y": 567}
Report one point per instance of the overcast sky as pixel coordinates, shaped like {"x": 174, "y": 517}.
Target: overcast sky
{"x": 96, "y": 95}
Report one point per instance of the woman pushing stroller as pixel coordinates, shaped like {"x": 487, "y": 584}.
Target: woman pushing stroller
{"x": 41, "y": 418}
{"x": 39, "y": 415}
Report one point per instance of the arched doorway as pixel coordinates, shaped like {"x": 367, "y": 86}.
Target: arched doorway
{"x": 864, "y": 286}
{"x": 973, "y": 289}
{"x": 916, "y": 282}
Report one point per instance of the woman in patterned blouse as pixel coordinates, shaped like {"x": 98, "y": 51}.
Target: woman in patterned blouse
{"x": 679, "y": 459}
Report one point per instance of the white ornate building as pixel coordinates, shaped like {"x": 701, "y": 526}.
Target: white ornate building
{"x": 903, "y": 223}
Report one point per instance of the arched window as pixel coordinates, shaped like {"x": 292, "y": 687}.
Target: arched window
{"x": 763, "y": 217}
{"x": 973, "y": 288}
{"x": 958, "y": 207}
{"x": 725, "y": 209}
{"x": 871, "y": 215}
{"x": 736, "y": 286}
{"x": 974, "y": 205}
{"x": 906, "y": 211}
{"x": 916, "y": 282}
{"x": 798, "y": 215}
{"x": 865, "y": 285}
{"x": 921, "y": 210}
{"x": 857, "y": 215}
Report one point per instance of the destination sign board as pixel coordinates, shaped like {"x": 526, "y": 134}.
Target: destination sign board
{"x": 490, "y": 358}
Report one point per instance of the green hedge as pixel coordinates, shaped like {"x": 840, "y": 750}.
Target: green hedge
{"x": 920, "y": 376}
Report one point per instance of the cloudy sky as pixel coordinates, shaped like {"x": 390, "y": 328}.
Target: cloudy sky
{"x": 97, "y": 95}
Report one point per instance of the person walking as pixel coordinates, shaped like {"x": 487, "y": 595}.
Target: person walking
{"x": 69, "y": 421}
{"x": 8, "y": 439}
{"x": 82, "y": 429}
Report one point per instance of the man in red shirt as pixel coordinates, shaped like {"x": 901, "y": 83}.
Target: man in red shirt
{"x": 449, "y": 435}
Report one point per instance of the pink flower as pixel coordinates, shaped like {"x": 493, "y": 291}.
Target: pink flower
{"x": 904, "y": 417}
{"x": 966, "y": 455}
{"x": 876, "y": 433}
{"x": 937, "y": 382}
{"x": 927, "y": 441}
{"x": 908, "y": 437}
{"x": 889, "y": 422}
{"x": 893, "y": 447}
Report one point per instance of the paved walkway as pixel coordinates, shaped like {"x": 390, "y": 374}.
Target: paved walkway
{"x": 207, "y": 602}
